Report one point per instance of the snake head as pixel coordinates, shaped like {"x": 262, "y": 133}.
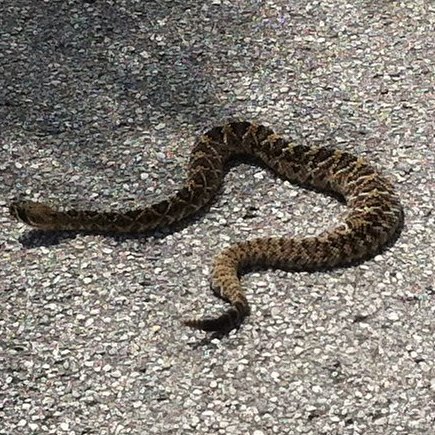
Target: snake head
{"x": 32, "y": 213}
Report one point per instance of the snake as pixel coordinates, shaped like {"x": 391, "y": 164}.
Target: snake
{"x": 374, "y": 213}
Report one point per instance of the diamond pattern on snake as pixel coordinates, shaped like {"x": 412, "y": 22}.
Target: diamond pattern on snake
{"x": 373, "y": 218}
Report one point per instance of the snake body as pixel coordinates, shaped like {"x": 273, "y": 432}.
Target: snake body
{"x": 374, "y": 211}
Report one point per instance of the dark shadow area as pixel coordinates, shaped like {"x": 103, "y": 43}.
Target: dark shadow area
{"x": 85, "y": 56}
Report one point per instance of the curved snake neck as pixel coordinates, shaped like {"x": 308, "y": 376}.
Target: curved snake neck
{"x": 374, "y": 214}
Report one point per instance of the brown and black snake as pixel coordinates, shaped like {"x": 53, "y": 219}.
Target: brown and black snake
{"x": 374, "y": 211}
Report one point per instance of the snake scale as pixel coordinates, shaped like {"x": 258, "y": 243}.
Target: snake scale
{"x": 374, "y": 211}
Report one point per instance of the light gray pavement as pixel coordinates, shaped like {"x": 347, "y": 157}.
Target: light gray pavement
{"x": 100, "y": 102}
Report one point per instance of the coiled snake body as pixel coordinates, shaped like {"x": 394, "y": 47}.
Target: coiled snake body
{"x": 373, "y": 218}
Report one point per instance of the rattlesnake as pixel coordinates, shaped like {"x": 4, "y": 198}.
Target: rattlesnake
{"x": 374, "y": 215}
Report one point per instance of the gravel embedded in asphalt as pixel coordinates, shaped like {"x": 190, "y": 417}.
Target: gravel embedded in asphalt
{"x": 100, "y": 103}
